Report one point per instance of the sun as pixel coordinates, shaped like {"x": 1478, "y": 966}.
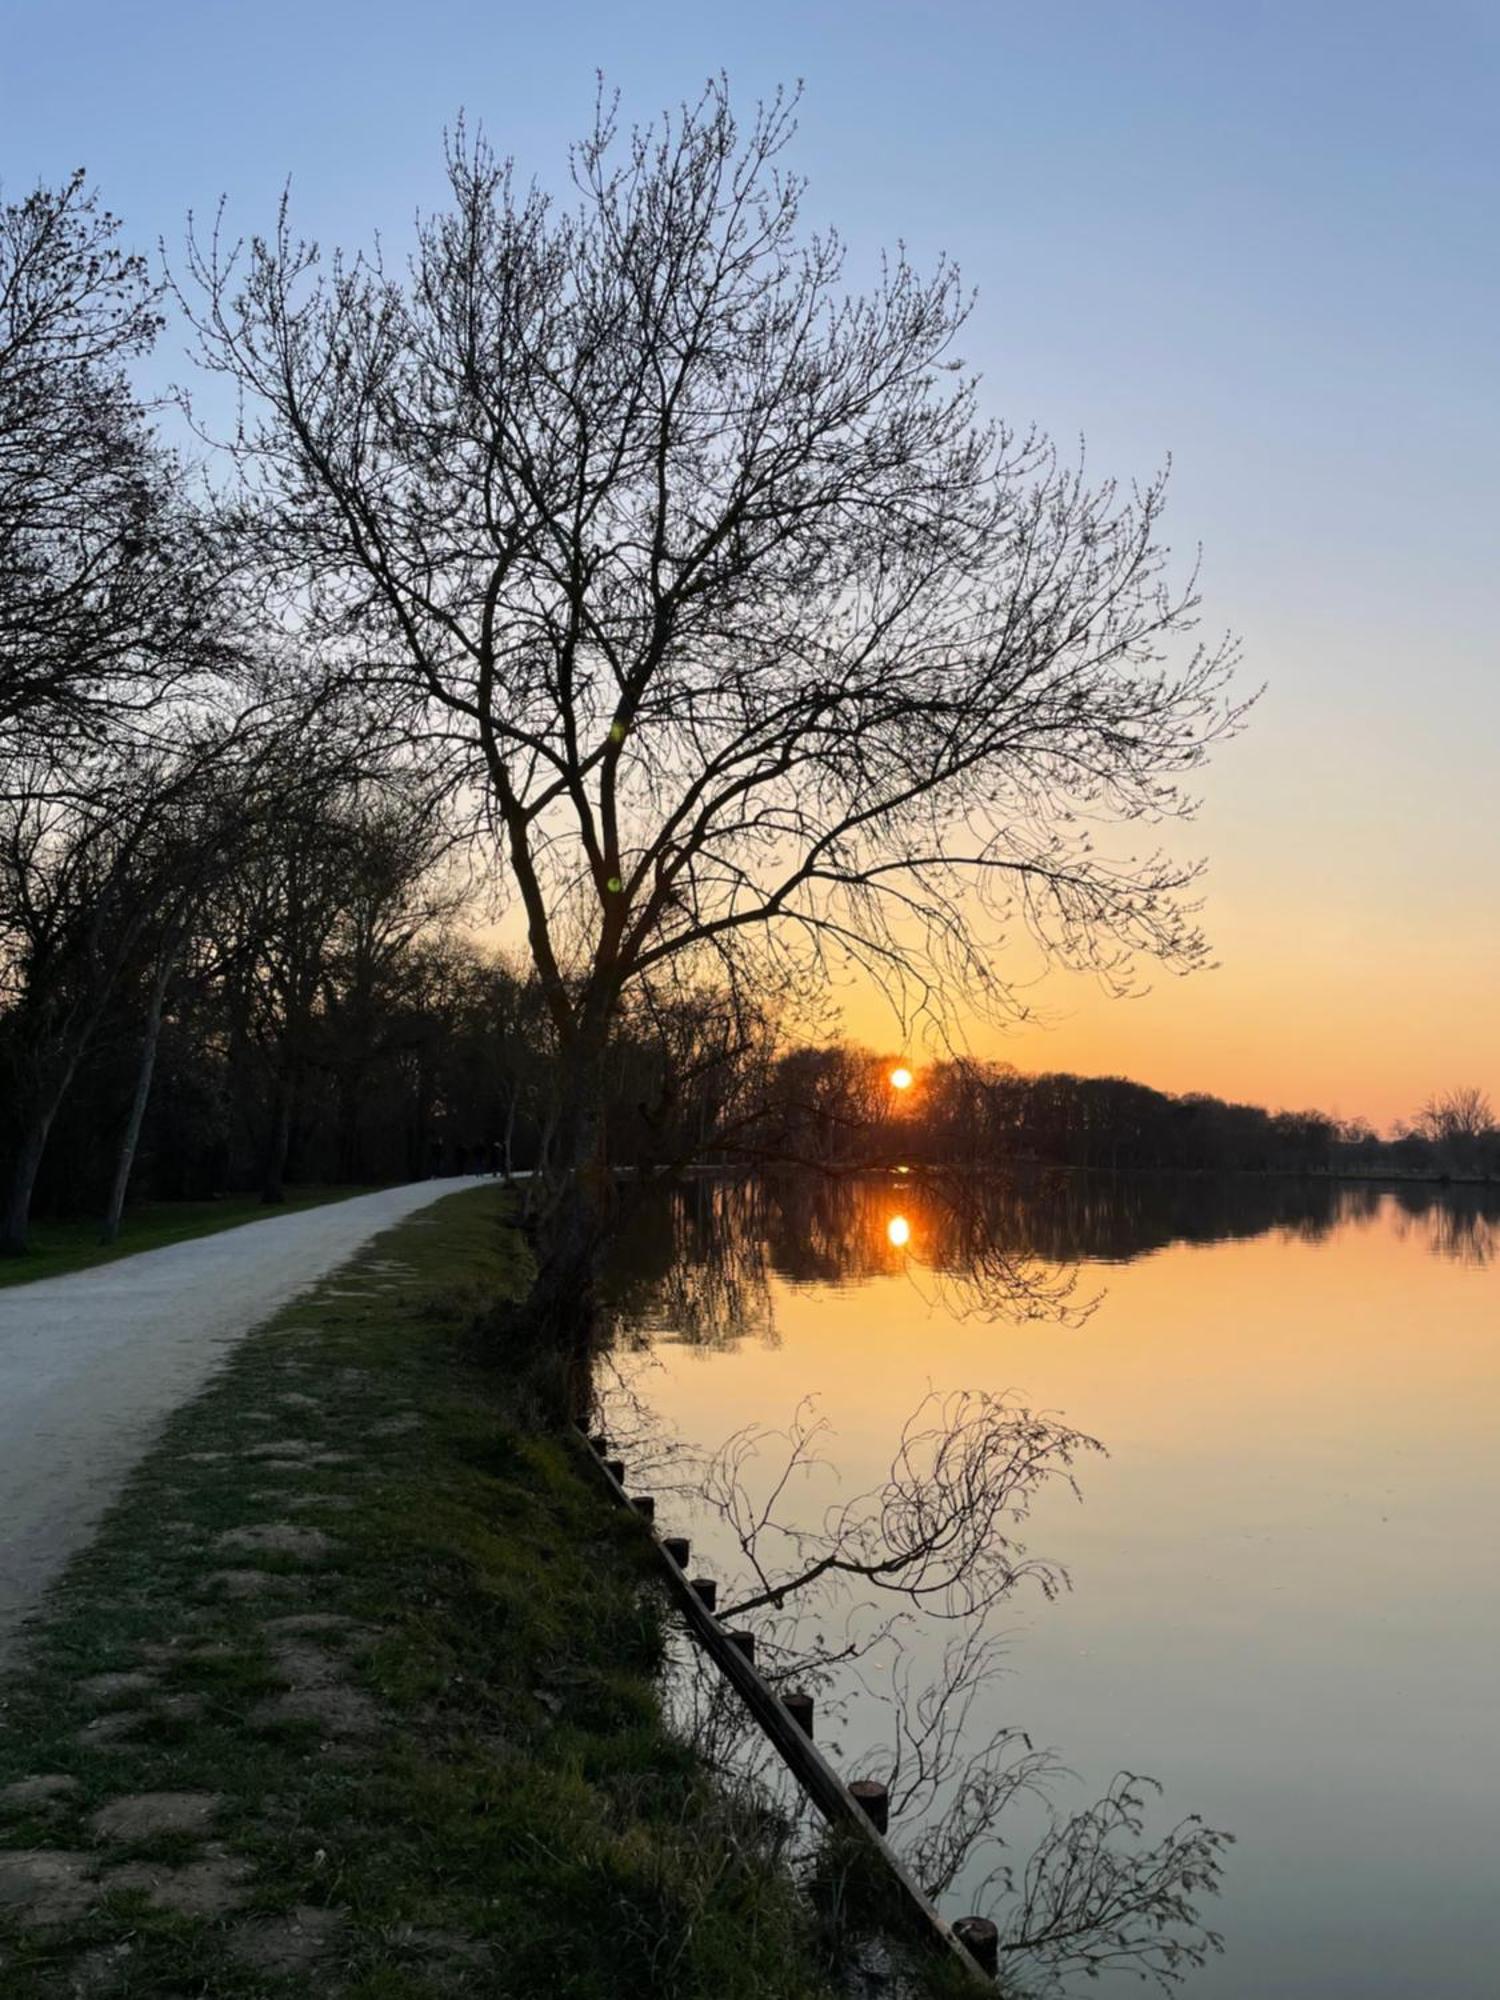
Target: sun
{"x": 902, "y": 1078}
{"x": 898, "y": 1229}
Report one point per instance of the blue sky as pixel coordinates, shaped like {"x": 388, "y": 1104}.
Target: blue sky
{"x": 1258, "y": 237}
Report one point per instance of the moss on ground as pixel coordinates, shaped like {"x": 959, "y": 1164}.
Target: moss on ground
{"x": 366, "y": 1677}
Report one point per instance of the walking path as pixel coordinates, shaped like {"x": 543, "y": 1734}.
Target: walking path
{"x": 91, "y": 1364}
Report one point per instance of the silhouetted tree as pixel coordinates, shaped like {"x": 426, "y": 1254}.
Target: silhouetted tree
{"x": 110, "y": 591}
{"x": 94, "y": 858}
{"x": 761, "y": 643}
{"x": 1461, "y": 1125}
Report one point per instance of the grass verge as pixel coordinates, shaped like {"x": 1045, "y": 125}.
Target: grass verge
{"x": 59, "y": 1247}
{"x": 355, "y": 1694}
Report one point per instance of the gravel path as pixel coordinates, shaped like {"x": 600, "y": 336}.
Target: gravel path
{"x": 91, "y": 1364}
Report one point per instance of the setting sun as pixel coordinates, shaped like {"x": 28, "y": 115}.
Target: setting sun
{"x": 898, "y": 1229}
{"x": 902, "y": 1078}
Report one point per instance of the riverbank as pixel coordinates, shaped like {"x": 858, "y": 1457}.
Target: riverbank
{"x": 355, "y": 1692}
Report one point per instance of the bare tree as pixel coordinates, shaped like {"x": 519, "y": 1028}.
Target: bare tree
{"x": 757, "y": 638}
{"x": 392, "y": 843}
{"x": 1459, "y": 1123}
{"x": 110, "y": 589}
{"x": 329, "y": 892}
{"x": 206, "y": 823}
{"x": 98, "y": 855}
{"x": 173, "y": 929}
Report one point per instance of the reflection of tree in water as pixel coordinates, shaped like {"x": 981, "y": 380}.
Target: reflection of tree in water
{"x": 695, "y": 1267}
{"x": 699, "y": 1266}
{"x": 844, "y": 1596}
{"x": 1458, "y": 1223}
{"x": 700, "y": 1262}
{"x": 1100, "y": 1891}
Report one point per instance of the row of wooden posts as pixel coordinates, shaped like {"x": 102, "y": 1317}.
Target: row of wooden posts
{"x": 861, "y": 1807}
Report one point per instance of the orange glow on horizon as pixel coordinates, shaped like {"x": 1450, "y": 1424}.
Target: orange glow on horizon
{"x": 1318, "y": 1024}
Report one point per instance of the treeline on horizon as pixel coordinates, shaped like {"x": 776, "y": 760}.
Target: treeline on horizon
{"x": 312, "y": 1008}
{"x": 838, "y": 1106}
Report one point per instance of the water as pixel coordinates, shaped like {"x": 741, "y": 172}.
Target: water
{"x": 1283, "y": 1596}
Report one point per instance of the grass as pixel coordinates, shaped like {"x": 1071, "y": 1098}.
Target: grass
{"x": 59, "y": 1247}
{"x": 448, "y": 1774}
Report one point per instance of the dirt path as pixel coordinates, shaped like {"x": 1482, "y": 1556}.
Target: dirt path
{"x": 90, "y": 1364}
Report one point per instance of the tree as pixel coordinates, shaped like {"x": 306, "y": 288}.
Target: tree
{"x": 93, "y": 861}
{"x": 205, "y": 815}
{"x": 109, "y": 584}
{"x": 314, "y": 926}
{"x": 762, "y": 646}
{"x": 392, "y": 843}
{"x": 1459, "y": 1122}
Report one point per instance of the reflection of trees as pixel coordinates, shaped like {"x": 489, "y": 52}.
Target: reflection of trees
{"x": 1459, "y": 1223}
{"x": 1004, "y": 1246}
{"x": 939, "y": 1532}
{"x": 837, "y": 1595}
{"x": 1102, "y": 1890}
{"x": 700, "y": 1264}
{"x": 997, "y": 1245}
{"x": 696, "y": 1265}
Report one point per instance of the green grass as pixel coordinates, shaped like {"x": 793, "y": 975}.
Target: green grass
{"x": 512, "y": 1819}
{"x": 59, "y": 1247}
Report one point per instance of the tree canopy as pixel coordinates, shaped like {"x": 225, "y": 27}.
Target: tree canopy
{"x": 759, "y": 640}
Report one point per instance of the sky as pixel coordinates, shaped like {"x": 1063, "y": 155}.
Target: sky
{"x": 1259, "y": 238}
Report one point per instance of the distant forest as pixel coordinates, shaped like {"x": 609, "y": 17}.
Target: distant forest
{"x": 839, "y": 1105}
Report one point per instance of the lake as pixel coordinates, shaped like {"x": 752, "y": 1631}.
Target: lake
{"x": 1282, "y": 1599}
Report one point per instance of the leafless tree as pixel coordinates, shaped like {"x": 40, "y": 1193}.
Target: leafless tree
{"x": 111, "y": 592}
{"x": 1459, "y": 1123}
{"x": 102, "y": 854}
{"x": 334, "y": 883}
{"x": 392, "y": 843}
{"x": 758, "y": 640}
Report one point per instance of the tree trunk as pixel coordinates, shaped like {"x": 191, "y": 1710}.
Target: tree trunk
{"x": 507, "y": 1155}
{"x": 138, "y": 1102}
{"x": 28, "y": 1159}
{"x": 561, "y": 1309}
{"x": 350, "y": 1157}
{"x": 278, "y": 1144}
{"x": 16, "y": 1227}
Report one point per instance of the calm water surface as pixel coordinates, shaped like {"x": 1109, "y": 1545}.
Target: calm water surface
{"x": 1283, "y": 1600}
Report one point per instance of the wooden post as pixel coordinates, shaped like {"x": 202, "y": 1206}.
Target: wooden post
{"x": 706, "y": 1591}
{"x": 677, "y": 1547}
{"x": 800, "y": 1708}
{"x": 600, "y": 1443}
{"x": 981, "y": 1940}
{"x": 645, "y": 1505}
{"x": 746, "y": 1643}
{"x": 615, "y": 1467}
{"x": 874, "y": 1800}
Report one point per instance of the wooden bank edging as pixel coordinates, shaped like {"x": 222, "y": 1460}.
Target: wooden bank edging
{"x": 914, "y": 1915}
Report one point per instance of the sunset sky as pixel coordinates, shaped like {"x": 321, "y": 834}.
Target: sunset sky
{"x": 1260, "y": 238}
